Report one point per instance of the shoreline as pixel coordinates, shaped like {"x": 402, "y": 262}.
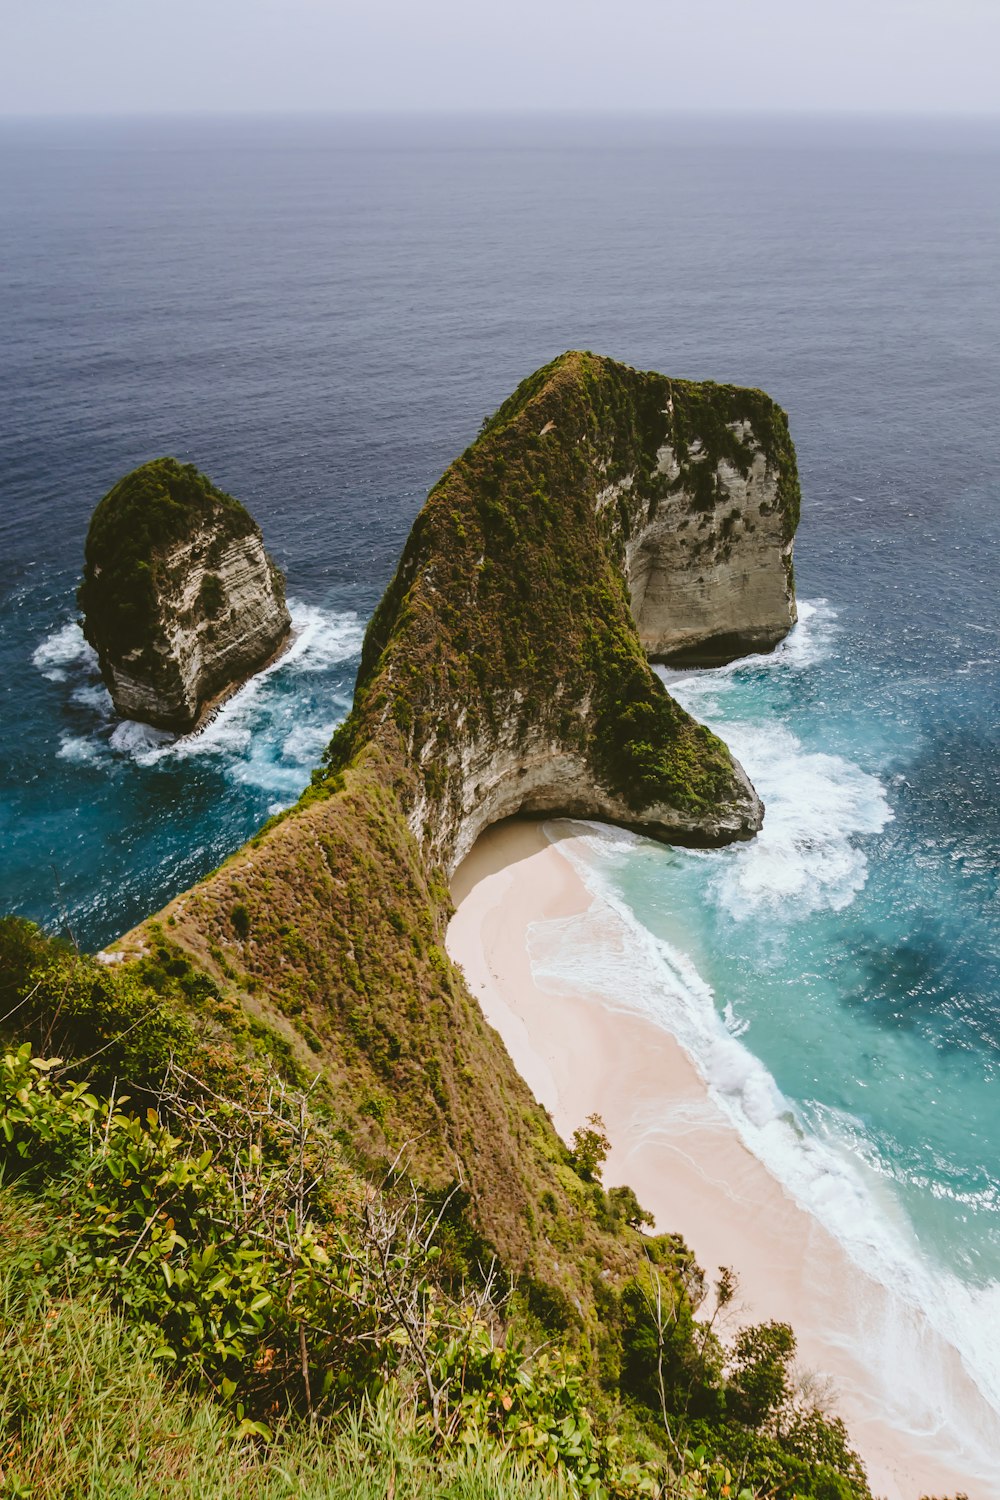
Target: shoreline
{"x": 211, "y": 708}
{"x": 672, "y": 1144}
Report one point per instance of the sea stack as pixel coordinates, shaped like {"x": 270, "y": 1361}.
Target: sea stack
{"x": 180, "y": 600}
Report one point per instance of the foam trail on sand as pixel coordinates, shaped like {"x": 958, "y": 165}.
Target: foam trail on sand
{"x": 926, "y": 1334}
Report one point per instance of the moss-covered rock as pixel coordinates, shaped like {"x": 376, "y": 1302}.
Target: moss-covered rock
{"x": 180, "y": 600}
{"x": 592, "y": 523}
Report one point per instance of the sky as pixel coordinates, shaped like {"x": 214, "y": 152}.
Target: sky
{"x": 279, "y": 56}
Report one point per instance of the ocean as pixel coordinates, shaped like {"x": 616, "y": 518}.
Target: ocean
{"x": 319, "y": 313}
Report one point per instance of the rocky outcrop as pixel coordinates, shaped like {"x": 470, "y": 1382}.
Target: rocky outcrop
{"x": 602, "y": 517}
{"x": 710, "y": 570}
{"x": 503, "y": 672}
{"x": 180, "y": 600}
{"x": 537, "y": 774}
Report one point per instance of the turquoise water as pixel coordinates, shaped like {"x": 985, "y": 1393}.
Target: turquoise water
{"x": 834, "y": 979}
{"x": 319, "y": 313}
{"x": 110, "y": 814}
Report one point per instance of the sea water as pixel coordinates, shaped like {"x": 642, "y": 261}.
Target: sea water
{"x": 811, "y": 976}
{"x": 319, "y": 313}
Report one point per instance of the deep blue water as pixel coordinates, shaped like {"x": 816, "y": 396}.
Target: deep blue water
{"x": 320, "y": 313}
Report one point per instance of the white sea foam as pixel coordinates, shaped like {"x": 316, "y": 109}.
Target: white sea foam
{"x": 80, "y": 750}
{"x": 259, "y": 734}
{"x": 929, "y": 1335}
{"x": 64, "y": 653}
{"x": 138, "y": 740}
{"x": 806, "y": 857}
{"x": 307, "y": 742}
{"x": 809, "y": 642}
{"x": 610, "y": 951}
{"x": 322, "y": 639}
{"x": 94, "y": 696}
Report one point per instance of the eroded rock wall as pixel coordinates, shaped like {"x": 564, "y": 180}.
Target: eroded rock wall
{"x": 494, "y": 778}
{"x": 711, "y": 579}
{"x": 210, "y": 637}
{"x": 180, "y": 599}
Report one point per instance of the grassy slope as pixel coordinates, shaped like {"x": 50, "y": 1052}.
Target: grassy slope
{"x": 85, "y": 1411}
{"x": 328, "y": 927}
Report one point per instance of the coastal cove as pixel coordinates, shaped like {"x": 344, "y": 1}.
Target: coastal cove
{"x": 587, "y": 1050}
{"x": 794, "y": 1040}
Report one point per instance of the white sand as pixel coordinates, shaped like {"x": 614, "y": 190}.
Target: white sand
{"x": 683, "y": 1158}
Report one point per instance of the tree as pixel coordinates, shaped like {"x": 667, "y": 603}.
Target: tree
{"x": 759, "y": 1378}
{"x": 590, "y": 1148}
{"x": 626, "y": 1207}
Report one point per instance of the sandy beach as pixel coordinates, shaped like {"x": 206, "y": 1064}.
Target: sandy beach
{"x": 686, "y": 1162}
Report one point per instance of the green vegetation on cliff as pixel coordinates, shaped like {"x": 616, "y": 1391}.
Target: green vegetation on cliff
{"x": 151, "y": 510}
{"x": 509, "y": 614}
{"x": 318, "y": 1070}
{"x": 255, "y": 1266}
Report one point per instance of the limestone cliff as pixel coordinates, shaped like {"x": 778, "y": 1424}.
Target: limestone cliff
{"x": 603, "y": 515}
{"x": 709, "y": 563}
{"x": 503, "y": 672}
{"x": 180, "y": 600}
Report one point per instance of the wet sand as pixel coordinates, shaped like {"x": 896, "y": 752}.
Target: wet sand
{"x": 685, "y": 1160}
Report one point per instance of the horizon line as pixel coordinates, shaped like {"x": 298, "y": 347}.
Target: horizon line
{"x": 508, "y": 112}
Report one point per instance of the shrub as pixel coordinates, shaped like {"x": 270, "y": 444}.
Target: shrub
{"x": 590, "y": 1148}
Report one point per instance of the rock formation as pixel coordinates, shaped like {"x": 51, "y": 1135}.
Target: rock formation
{"x": 603, "y": 515}
{"x": 709, "y": 569}
{"x": 503, "y": 672}
{"x": 180, "y": 600}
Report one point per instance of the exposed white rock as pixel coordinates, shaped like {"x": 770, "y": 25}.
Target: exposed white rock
{"x": 497, "y": 778}
{"x": 516, "y": 770}
{"x": 202, "y": 656}
{"x": 707, "y": 585}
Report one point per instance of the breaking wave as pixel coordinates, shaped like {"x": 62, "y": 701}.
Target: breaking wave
{"x": 268, "y": 735}
{"x": 807, "y": 855}
{"x": 822, "y": 812}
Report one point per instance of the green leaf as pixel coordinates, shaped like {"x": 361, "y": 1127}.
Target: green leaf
{"x": 254, "y": 1429}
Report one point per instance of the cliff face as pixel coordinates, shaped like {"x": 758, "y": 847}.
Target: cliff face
{"x": 602, "y": 516}
{"x": 180, "y": 600}
{"x": 710, "y": 568}
{"x": 503, "y": 672}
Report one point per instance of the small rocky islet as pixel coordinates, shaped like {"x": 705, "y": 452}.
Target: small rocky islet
{"x": 180, "y": 600}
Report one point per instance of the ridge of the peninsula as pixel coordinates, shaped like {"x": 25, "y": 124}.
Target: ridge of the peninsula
{"x": 503, "y": 672}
